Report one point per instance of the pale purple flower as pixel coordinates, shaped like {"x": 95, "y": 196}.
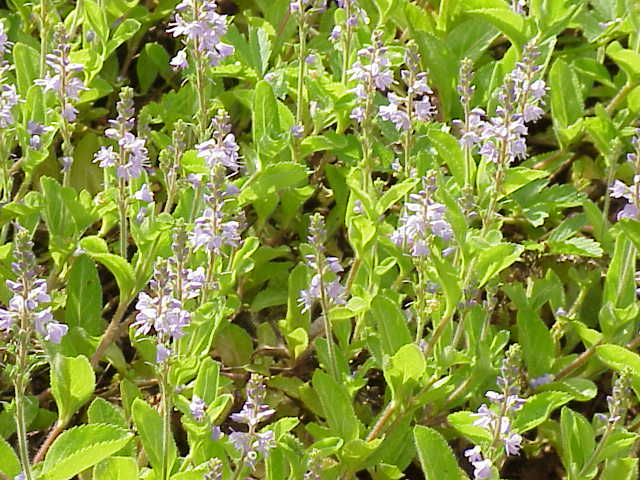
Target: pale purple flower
{"x": 297, "y": 131}
{"x": 36, "y": 130}
{"x": 144, "y": 194}
{"x": 512, "y": 444}
{"x": 222, "y": 148}
{"x": 9, "y": 98}
{"x": 161, "y": 312}
{"x": 334, "y": 36}
{"x": 371, "y": 71}
{"x": 198, "y": 408}
{"x": 422, "y": 218}
{"x": 180, "y": 60}
{"x": 162, "y": 353}
{"x": 482, "y": 467}
{"x": 63, "y": 76}
{"x": 211, "y": 233}
{"x": 55, "y": 331}
{"x": 203, "y": 29}
{"x": 542, "y": 380}
{"x": 106, "y": 157}
{"x": 28, "y": 295}
{"x": 255, "y": 410}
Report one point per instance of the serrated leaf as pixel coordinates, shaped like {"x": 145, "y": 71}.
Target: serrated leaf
{"x": 80, "y": 448}
{"x": 538, "y": 408}
{"x": 97, "y": 249}
{"x": 116, "y": 468}
{"x": 149, "y": 425}
{"x": 84, "y": 297}
{"x": 436, "y": 457}
{"x": 10, "y": 464}
{"x": 72, "y": 384}
{"x": 585, "y": 247}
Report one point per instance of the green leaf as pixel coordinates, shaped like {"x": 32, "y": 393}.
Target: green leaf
{"x": 395, "y": 193}
{"x": 72, "y": 384}
{"x": 517, "y": 177}
{"x": 80, "y": 448}
{"x": 148, "y": 422}
{"x": 84, "y": 297}
{"x": 124, "y": 32}
{"x": 567, "y": 103}
{"x": 504, "y": 19}
{"x": 538, "y": 408}
{"x": 97, "y": 249}
{"x": 102, "y": 411}
{"x": 10, "y": 465}
{"x": 27, "y": 61}
{"x": 391, "y": 324}
{"x": 267, "y": 133}
{"x": 206, "y": 386}
{"x": 628, "y": 60}
{"x": 450, "y": 152}
{"x": 493, "y": 259}
{"x": 116, "y": 468}
{"x": 152, "y": 61}
{"x": 436, "y": 457}
{"x": 585, "y": 247}
{"x": 337, "y": 406}
{"x": 619, "y": 358}
{"x": 578, "y": 440}
{"x": 620, "y": 469}
{"x": 537, "y": 345}
{"x": 463, "y": 423}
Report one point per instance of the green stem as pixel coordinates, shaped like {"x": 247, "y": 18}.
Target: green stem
{"x": 324, "y": 302}
{"x": 346, "y": 55}
{"x": 166, "y": 422}
{"x": 302, "y": 35}
{"x": 20, "y": 383}
{"x": 122, "y": 213}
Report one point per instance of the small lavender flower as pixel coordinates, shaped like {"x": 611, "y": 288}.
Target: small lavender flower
{"x": 631, "y": 194}
{"x": 161, "y": 311}
{"x": 371, "y": 71}
{"x": 422, "y": 219}
{"x": 202, "y": 28}
{"x": 24, "y": 311}
{"x": 9, "y": 98}
{"x": 132, "y": 157}
{"x": 482, "y": 467}
{"x": 416, "y": 104}
{"x": 36, "y": 130}
{"x": 320, "y": 287}
{"x": 198, "y": 408}
{"x": 497, "y": 420}
{"x": 222, "y": 149}
{"x": 144, "y": 194}
{"x": 253, "y": 412}
{"x": 215, "y": 470}
{"x": 542, "y": 380}
{"x": 64, "y": 81}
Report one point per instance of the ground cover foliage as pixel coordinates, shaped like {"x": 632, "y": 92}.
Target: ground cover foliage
{"x": 280, "y": 239}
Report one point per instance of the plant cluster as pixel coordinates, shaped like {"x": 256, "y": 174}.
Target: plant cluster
{"x": 311, "y": 240}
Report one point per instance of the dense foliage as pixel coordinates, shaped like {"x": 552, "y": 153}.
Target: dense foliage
{"x": 315, "y": 240}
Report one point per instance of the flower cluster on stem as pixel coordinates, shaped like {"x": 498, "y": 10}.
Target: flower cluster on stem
{"x": 497, "y": 419}
{"x": 24, "y": 315}
{"x": 321, "y": 289}
{"x": 251, "y": 444}
{"x": 201, "y": 29}
{"x": 9, "y": 98}
{"x": 630, "y": 193}
{"x": 129, "y": 161}
{"x": 67, "y": 85}
{"x": 342, "y": 34}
